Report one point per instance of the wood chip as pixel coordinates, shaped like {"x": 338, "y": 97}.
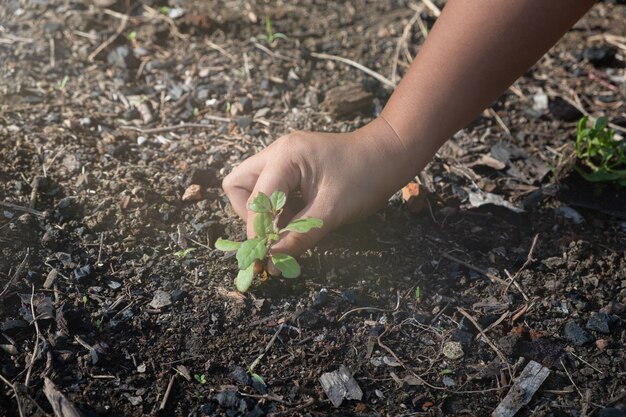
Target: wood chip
{"x": 340, "y": 385}
{"x": 61, "y": 406}
{"x": 347, "y": 99}
{"x": 522, "y": 390}
{"x": 414, "y": 196}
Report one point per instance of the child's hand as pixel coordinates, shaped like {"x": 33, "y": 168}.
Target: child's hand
{"x": 341, "y": 178}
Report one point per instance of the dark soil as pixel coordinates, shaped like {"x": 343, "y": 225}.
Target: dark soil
{"x": 106, "y": 217}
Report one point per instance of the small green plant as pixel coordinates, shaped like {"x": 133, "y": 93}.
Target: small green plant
{"x": 164, "y": 10}
{"x": 200, "y": 378}
{"x": 252, "y": 254}
{"x": 270, "y": 37}
{"x": 61, "y": 84}
{"x": 183, "y": 253}
{"x": 418, "y": 294}
{"x": 603, "y": 156}
{"x": 446, "y": 371}
{"x": 132, "y": 36}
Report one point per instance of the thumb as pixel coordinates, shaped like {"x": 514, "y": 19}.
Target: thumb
{"x": 279, "y": 177}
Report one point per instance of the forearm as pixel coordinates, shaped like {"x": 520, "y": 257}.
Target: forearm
{"x": 476, "y": 49}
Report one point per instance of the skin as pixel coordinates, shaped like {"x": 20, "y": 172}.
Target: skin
{"x": 476, "y": 50}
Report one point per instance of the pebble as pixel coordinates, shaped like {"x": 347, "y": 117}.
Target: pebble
{"x": 575, "y": 334}
{"x": 599, "y": 322}
{"x": 600, "y": 56}
{"x": 122, "y": 57}
{"x": 320, "y": 298}
{"x": 448, "y": 382}
{"x": 161, "y": 299}
{"x": 192, "y": 193}
{"x": 227, "y": 399}
{"x": 453, "y": 350}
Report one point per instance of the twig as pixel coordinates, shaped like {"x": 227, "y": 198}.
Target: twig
{"x": 221, "y": 50}
{"x": 168, "y": 391}
{"x": 33, "y": 356}
{"x": 487, "y": 340}
{"x": 382, "y": 310}
{"x": 291, "y": 410}
{"x": 28, "y": 210}
{"x": 405, "y": 34}
{"x": 15, "y": 392}
{"x": 178, "y": 127}
{"x": 586, "y": 363}
{"x": 492, "y": 277}
{"x": 17, "y": 273}
{"x": 274, "y": 54}
{"x": 110, "y": 40}
{"x": 436, "y": 11}
{"x": 356, "y": 65}
{"x": 529, "y": 259}
{"x": 500, "y": 122}
{"x": 267, "y": 348}
{"x": 571, "y": 380}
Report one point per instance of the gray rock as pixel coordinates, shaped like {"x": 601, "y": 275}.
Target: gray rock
{"x": 576, "y": 334}
{"x": 161, "y": 299}
{"x": 340, "y": 385}
{"x": 122, "y": 57}
{"x": 599, "y": 322}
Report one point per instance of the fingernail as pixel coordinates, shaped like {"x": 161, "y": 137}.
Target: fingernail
{"x": 275, "y": 272}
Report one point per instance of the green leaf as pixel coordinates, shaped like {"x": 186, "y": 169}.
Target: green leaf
{"x": 601, "y": 123}
{"x": 418, "y": 294}
{"x": 260, "y": 204}
{"x": 278, "y": 200}
{"x": 227, "y": 245}
{"x": 249, "y": 251}
{"x": 258, "y": 378}
{"x": 303, "y": 225}
{"x": 183, "y": 253}
{"x": 262, "y": 224}
{"x": 244, "y": 278}
{"x": 287, "y": 265}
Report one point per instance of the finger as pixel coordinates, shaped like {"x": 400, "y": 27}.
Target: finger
{"x": 238, "y": 185}
{"x": 276, "y": 176}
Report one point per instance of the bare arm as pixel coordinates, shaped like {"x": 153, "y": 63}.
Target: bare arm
{"x": 475, "y": 51}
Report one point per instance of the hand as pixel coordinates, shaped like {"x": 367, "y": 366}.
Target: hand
{"x": 340, "y": 177}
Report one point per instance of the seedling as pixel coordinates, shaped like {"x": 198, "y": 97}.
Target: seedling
{"x": 183, "y": 253}
{"x": 253, "y": 254}
{"x": 270, "y": 37}
{"x": 132, "y": 36}
{"x": 200, "y": 378}
{"x": 603, "y": 156}
{"x": 61, "y": 84}
{"x": 418, "y": 295}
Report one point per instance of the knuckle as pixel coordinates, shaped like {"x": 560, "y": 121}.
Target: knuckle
{"x": 229, "y": 183}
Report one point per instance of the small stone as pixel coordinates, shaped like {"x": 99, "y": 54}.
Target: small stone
{"x": 602, "y": 344}
{"x": 575, "y": 334}
{"x": 83, "y": 272}
{"x": 161, "y": 299}
{"x": 227, "y": 399}
{"x": 453, "y": 350}
{"x": 448, "y": 382}
{"x": 611, "y": 412}
{"x": 320, "y": 298}
{"x": 244, "y": 121}
{"x": 600, "y": 56}
{"x": 241, "y": 376}
{"x": 122, "y": 57}
{"x": 192, "y": 193}
{"x": 599, "y": 322}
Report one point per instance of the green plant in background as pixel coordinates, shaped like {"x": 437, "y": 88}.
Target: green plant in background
{"x": 256, "y": 251}
{"x": 270, "y": 37}
{"x": 132, "y": 36}
{"x": 200, "y": 378}
{"x": 603, "y": 156}
{"x": 61, "y": 84}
